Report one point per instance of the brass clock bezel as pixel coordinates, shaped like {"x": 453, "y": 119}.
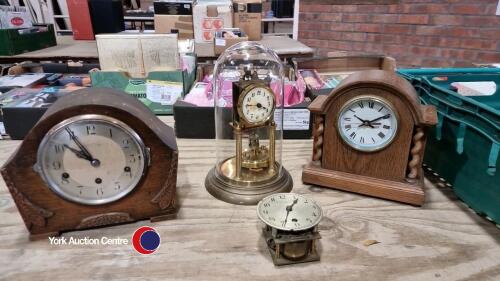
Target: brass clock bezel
{"x": 365, "y": 97}
{"x": 242, "y": 96}
{"x": 54, "y": 187}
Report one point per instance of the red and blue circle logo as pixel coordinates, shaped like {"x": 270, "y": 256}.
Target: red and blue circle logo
{"x": 146, "y": 240}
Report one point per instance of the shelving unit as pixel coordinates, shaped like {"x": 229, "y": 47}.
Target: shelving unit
{"x": 63, "y": 15}
{"x": 274, "y": 21}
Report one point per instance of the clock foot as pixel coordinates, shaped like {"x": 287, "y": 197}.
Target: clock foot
{"x": 409, "y": 193}
{"x": 169, "y": 215}
{"x": 244, "y": 192}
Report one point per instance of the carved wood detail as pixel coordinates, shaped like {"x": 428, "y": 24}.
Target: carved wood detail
{"x": 319, "y": 127}
{"x": 104, "y": 219}
{"x": 31, "y": 213}
{"x": 165, "y": 198}
{"x": 416, "y": 154}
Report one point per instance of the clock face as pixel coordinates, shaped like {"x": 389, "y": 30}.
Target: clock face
{"x": 256, "y": 105}
{"x": 289, "y": 211}
{"x": 367, "y": 123}
{"x": 92, "y": 159}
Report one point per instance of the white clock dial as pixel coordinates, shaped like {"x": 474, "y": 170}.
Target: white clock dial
{"x": 92, "y": 159}
{"x": 289, "y": 211}
{"x": 367, "y": 123}
{"x": 257, "y": 105}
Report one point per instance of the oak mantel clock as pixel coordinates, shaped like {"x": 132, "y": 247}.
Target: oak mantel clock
{"x": 97, "y": 157}
{"x": 369, "y": 137}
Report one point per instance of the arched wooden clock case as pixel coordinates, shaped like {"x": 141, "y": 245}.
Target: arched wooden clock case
{"x": 393, "y": 172}
{"x": 154, "y": 197}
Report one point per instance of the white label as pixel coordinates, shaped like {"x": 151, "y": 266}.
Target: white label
{"x": 165, "y": 93}
{"x": 294, "y": 119}
{"x": 498, "y": 9}
{"x": 480, "y": 88}
{"x": 220, "y": 42}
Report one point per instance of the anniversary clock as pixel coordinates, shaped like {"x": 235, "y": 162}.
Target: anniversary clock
{"x": 248, "y": 93}
{"x": 291, "y": 227}
{"x": 96, "y": 157}
{"x": 369, "y": 137}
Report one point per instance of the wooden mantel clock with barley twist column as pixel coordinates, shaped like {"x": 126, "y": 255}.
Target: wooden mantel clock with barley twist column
{"x": 369, "y": 138}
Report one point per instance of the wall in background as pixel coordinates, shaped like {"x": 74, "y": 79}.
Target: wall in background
{"x": 437, "y": 33}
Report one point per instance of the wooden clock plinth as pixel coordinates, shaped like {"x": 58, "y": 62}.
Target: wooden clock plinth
{"x": 369, "y": 138}
{"x": 411, "y": 193}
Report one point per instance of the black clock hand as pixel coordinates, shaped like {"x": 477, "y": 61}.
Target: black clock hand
{"x": 258, "y": 105}
{"x": 78, "y": 153}
{"x": 365, "y": 122}
{"x": 289, "y": 209}
{"x": 94, "y": 162}
{"x": 381, "y": 117}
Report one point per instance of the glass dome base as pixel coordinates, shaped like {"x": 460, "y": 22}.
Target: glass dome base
{"x": 246, "y": 193}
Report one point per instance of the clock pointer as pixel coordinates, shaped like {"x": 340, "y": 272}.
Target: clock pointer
{"x": 289, "y": 208}
{"x": 381, "y": 117}
{"x": 78, "y": 153}
{"x": 365, "y": 122}
{"x": 258, "y": 105}
{"x": 93, "y": 161}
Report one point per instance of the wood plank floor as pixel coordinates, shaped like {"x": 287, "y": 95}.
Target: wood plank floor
{"x": 213, "y": 240}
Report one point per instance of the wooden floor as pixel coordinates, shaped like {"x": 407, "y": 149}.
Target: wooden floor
{"x": 213, "y": 240}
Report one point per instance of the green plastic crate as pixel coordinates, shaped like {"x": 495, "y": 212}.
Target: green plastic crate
{"x": 14, "y": 42}
{"x": 464, "y": 147}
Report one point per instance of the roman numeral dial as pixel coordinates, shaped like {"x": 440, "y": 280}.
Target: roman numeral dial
{"x": 367, "y": 123}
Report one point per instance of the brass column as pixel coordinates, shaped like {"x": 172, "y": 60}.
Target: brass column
{"x": 272, "y": 141}
{"x": 239, "y": 150}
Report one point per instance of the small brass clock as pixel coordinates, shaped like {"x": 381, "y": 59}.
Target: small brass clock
{"x": 248, "y": 126}
{"x": 291, "y": 227}
{"x": 255, "y": 105}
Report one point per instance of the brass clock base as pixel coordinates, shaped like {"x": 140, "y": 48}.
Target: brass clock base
{"x": 246, "y": 193}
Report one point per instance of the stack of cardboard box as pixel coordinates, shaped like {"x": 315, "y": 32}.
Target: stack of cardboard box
{"x": 200, "y": 20}
{"x": 174, "y": 17}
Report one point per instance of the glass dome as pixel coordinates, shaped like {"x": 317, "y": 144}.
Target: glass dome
{"x": 248, "y": 98}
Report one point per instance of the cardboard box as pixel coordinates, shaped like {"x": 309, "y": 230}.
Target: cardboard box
{"x": 14, "y": 17}
{"x": 210, "y": 16}
{"x": 340, "y": 67}
{"x": 221, "y": 43}
{"x": 180, "y": 24}
{"x": 173, "y": 8}
{"x": 198, "y": 122}
{"x": 204, "y": 49}
{"x": 158, "y": 91}
{"x": 247, "y": 16}
{"x": 21, "y": 115}
{"x": 138, "y": 54}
